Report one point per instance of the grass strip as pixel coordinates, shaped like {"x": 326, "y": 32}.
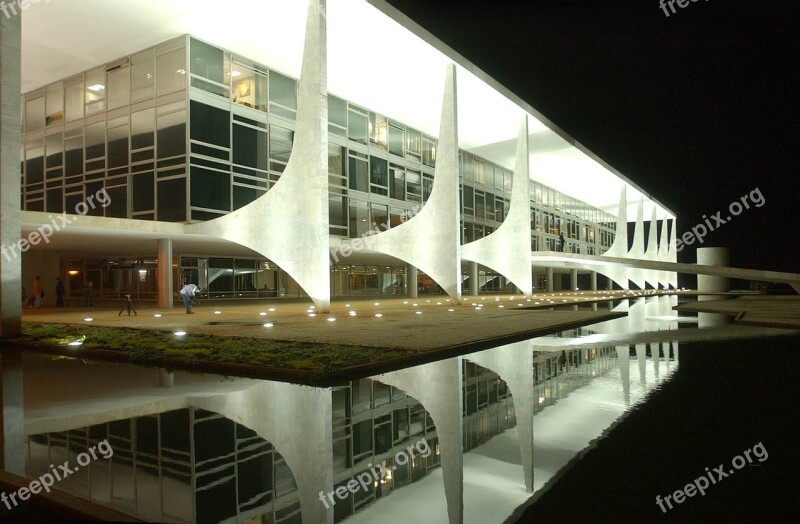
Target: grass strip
{"x": 150, "y": 346}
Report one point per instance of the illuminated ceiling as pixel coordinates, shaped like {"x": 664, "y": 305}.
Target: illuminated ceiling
{"x": 372, "y": 60}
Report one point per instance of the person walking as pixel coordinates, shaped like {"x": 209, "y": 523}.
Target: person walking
{"x": 88, "y": 294}
{"x": 129, "y": 304}
{"x": 187, "y": 293}
{"x": 59, "y": 292}
{"x": 38, "y": 292}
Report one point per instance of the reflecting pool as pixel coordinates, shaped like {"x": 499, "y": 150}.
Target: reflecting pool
{"x": 466, "y": 439}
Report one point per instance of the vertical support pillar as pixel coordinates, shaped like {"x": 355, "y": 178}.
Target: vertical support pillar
{"x": 573, "y": 279}
{"x": 164, "y": 277}
{"x": 12, "y": 426}
{"x": 609, "y": 284}
{"x": 712, "y": 256}
{"x": 594, "y": 280}
{"x": 411, "y": 272}
{"x": 10, "y": 136}
{"x": 166, "y": 378}
{"x": 474, "y": 287}
{"x": 548, "y": 277}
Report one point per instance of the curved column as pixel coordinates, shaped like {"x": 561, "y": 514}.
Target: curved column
{"x": 514, "y": 364}
{"x": 619, "y": 248}
{"x": 507, "y": 250}
{"x": 663, "y": 254}
{"x": 289, "y": 224}
{"x": 438, "y": 387}
{"x": 431, "y": 240}
{"x": 297, "y": 421}
{"x": 636, "y": 275}
{"x": 10, "y": 137}
{"x": 651, "y": 276}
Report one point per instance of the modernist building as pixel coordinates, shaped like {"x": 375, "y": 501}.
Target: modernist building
{"x": 257, "y": 178}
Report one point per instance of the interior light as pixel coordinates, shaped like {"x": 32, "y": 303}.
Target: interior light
{"x": 181, "y": 71}
{"x": 96, "y": 87}
{"x": 236, "y": 73}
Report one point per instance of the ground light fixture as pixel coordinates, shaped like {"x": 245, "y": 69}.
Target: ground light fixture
{"x": 179, "y": 333}
{"x": 268, "y": 325}
{"x": 263, "y": 314}
{"x": 378, "y": 315}
{"x": 88, "y": 319}
{"x": 331, "y": 319}
{"x": 157, "y": 315}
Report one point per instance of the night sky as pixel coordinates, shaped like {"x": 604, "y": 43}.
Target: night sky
{"x": 698, "y": 108}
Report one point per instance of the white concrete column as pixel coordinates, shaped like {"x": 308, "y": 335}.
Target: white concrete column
{"x": 573, "y": 279}
{"x": 10, "y": 136}
{"x": 507, "y": 249}
{"x": 594, "y": 281}
{"x": 289, "y": 223}
{"x": 474, "y": 286}
{"x": 411, "y": 280}
{"x": 164, "y": 277}
{"x": 431, "y": 239}
{"x": 712, "y": 256}
{"x": 548, "y": 278}
{"x": 514, "y": 362}
{"x": 438, "y": 387}
{"x": 12, "y": 427}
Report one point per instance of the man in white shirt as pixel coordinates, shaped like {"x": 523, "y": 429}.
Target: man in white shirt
{"x": 187, "y": 293}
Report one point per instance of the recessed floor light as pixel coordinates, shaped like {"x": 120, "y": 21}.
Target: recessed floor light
{"x": 179, "y": 333}
{"x": 157, "y": 315}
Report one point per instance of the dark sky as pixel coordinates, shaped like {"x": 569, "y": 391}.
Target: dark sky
{"x": 698, "y": 108}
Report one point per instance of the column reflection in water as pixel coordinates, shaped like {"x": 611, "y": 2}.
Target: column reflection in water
{"x": 498, "y": 424}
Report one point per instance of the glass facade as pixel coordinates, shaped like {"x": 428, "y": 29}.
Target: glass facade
{"x": 186, "y": 131}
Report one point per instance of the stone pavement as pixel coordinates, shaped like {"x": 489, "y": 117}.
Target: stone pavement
{"x": 429, "y": 322}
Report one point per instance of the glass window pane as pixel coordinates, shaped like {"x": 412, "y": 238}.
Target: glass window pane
{"x": 34, "y": 114}
{"x": 397, "y": 183}
{"x": 73, "y": 161}
{"x": 359, "y": 174}
{"x": 207, "y": 61}
{"x": 171, "y": 71}
{"x": 73, "y": 99}
{"x": 54, "y": 149}
{"x": 210, "y": 189}
{"x": 95, "y": 91}
{"x": 337, "y": 205}
{"x": 359, "y": 217}
{"x": 142, "y": 129}
{"x": 249, "y": 147}
{"x": 210, "y": 125}
{"x": 357, "y": 127}
{"x": 55, "y": 104}
{"x": 172, "y": 200}
{"x": 280, "y": 143}
{"x": 119, "y": 88}
{"x": 282, "y": 90}
{"x": 171, "y": 135}
{"x": 379, "y": 175}
{"x": 337, "y": 111}
{"x": 118, "y": 145}
{"x": 143, "y": 74}
{"x": 396, "y": 141}
{"x": 143, "y": 191}
{"x": 96, "y": 140}
{"x": 335, "y": 160}
{"x": 249, "y": 87}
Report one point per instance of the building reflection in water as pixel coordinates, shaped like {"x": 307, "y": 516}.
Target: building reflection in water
{"x": 499, "y": 423}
